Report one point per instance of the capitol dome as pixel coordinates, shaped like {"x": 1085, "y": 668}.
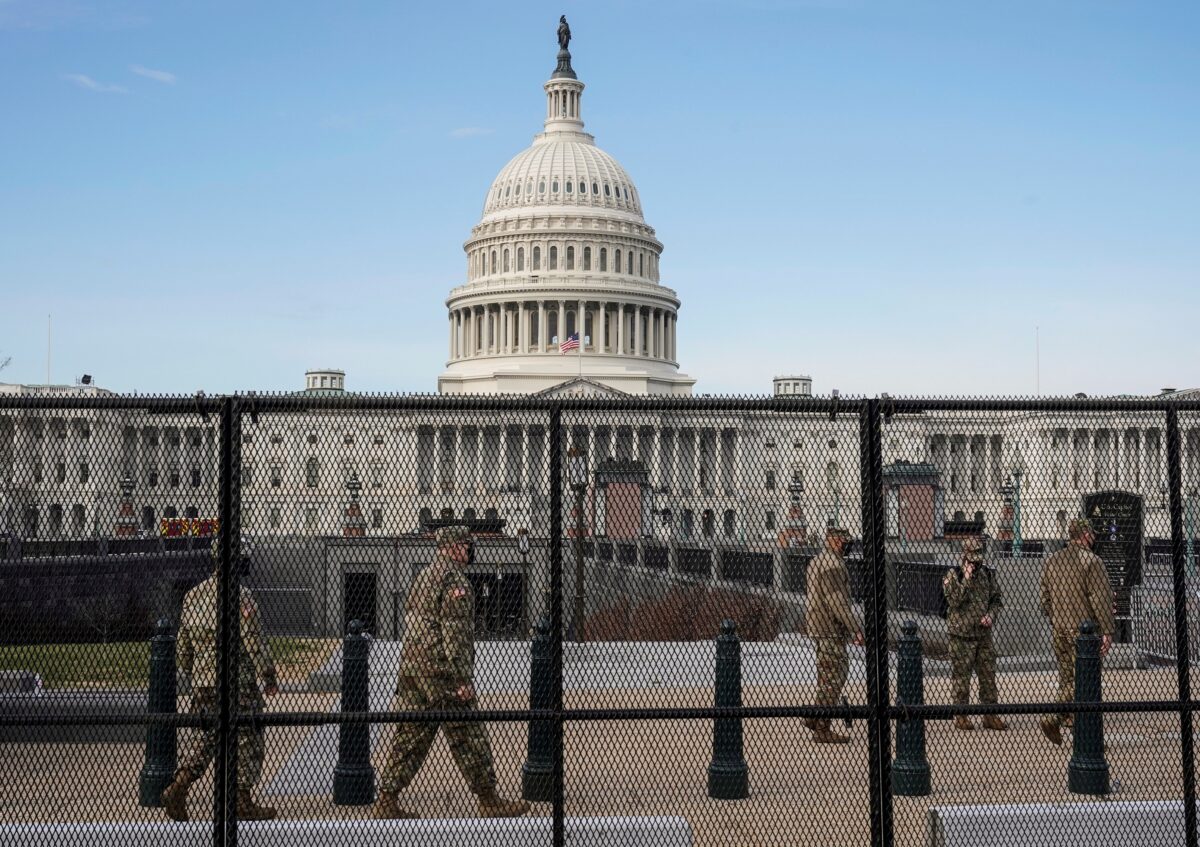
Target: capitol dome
{"x": 562, "y": 249}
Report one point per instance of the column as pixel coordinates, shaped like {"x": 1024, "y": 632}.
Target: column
{"x": 451, "y": 335}
{"x": 526, "y": 482}
{"x": 522, "y": 329}
{"x": 662, "y": 344}
{"x": 487, "y": 329}
{"x": 477, "y": 463}
{"x": 637, "y": 331}
{"x": 541, "y": 326}
{"x": 602, "y": 330}
{"x": 621, "y": 329}
{"x": 651, "y": 332}
{"x": 459, "y": 465}
{"x": 656, "y": 460}
{"x": 562, "y": 320}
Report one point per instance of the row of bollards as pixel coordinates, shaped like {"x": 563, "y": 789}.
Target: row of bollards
{"x": 728, "y": 773}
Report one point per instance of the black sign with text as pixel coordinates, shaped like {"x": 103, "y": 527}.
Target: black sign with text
{"x": 1116, "y": 518}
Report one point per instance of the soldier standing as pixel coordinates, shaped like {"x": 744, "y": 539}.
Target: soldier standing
{"x": 1075, "y": 588}
{"x": 196, "y": 654}
{"x": 830, "y": 623}
{"x": 973, "y": 602}
{"x": 437, "y": 670}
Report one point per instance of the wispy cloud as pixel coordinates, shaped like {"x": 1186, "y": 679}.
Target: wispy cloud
{"x": 84, "y": 81}
{"x": 150, "y": 73}
{"x": 469, "y": 131}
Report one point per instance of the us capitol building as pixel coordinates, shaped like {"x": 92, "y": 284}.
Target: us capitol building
{"x": 563, "y": 248}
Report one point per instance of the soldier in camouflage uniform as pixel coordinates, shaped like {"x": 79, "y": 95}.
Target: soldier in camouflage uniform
{"x": 437, "y": 670}
{"x": 196, "y": 654}
{"x": 830, "y": 623}
{"x": 1075, "y": 588}
{"x": 973, "y": 602}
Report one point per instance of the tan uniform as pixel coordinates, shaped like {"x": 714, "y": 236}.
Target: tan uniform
{"x": 831, "y": 623}
{"x": 196, "y": 653}
{"x": 1075, "y": 588}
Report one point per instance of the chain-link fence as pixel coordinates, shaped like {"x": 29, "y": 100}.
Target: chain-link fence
{"x": 670, "y": 621}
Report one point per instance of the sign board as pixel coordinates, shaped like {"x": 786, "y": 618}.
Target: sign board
{"x": 176, "y": 527}
{"x": 1116, "y": 518}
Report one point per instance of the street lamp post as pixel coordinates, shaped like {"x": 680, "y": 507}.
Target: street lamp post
{"x": 1190, "y": 514}
{"x": 577, "y": 474}
{"x": 1016, "y": 529}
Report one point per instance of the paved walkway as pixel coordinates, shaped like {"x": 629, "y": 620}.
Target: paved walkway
{"x": 502, "y": 667}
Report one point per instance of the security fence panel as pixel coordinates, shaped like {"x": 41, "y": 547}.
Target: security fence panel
{"x": 108, "y": 510}
{"x": 1029, "y": 563}
{"x": 398, "y": 558}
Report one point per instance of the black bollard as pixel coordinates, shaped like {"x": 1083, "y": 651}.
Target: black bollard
{"x": 1088, "y": 771}
{"x": 353, "y": 776}
{"x": 537, "y": 774}
{"x": 728, "y": 776}
{"x": 161, "y": 756}
{"x": 910, "y": 770}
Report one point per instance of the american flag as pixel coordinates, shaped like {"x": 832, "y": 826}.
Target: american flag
{"x": 571, "y": 343}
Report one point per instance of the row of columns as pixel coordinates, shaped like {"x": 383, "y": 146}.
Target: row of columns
{"x": 507, "y": 329}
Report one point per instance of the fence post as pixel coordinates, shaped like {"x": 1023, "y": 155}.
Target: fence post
{"x": 1183, "y": 659}
{"x": 161, "y": 754}
{"x": 225, "y": 765}
{"x": 910, "y": 770}
{"x": 1088, "y": 771}
{"x": 537, "y": 773}
{"x": 558, "y": 833}
{"x": 728, "y": 776}
{"x": 353, "y": 776}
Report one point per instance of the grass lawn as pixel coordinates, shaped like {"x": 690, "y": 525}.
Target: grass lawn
{"x": 126, "y": 665}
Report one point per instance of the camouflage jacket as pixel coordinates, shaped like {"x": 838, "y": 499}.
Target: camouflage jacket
{"x": 196, "y": 647}
{"x": 970, "y": 600}
{"x": 1075, "y": 588}
{"x": 828, "y": 614}
{"x": 439, "y": 624}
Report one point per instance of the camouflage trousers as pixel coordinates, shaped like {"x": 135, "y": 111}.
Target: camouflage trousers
{"x": 976, "y": 655}
{"x": 833, "y": 666}
{"x": 468, "y": 740}
{"x": 1064, "y": 655}
{"x": 201, "y": 746}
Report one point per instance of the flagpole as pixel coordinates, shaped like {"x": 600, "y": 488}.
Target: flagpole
{"x": 580, "y": 348}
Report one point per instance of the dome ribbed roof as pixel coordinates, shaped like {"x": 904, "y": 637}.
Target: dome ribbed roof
{"x": 542, "y": 174}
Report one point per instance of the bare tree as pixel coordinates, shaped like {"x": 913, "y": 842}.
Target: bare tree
{"x": 103, "y": 612}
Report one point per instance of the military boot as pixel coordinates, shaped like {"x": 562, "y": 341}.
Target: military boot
{"x": 963, "y": 722}
{"x": 174, "y": 796}
{"x": 387, "y": 808}
{"x": 492, "y": 805}
{"x": 994, "y": 722}
{"x": 248, "y": 810}
{"x": 824, "y": 735}
{"x": 1049, "y": 725}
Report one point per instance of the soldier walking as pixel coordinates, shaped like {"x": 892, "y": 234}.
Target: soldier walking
{"x": 196, "y": 655}
{"x": 437, "y": 670}
{"x": 830, "y": 623}
{"x": 973, "y": 602}
{"x": 1075, "y": 588}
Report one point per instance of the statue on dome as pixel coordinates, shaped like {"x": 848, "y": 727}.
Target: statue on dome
{"x": 564, "y": 32}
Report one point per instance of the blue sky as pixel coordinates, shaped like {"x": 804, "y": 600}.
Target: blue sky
{"x": 889, "y": 196}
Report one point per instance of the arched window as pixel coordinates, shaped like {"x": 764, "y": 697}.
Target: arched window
{"x": 596, "y": 188}
{"x": 495, "y": 266}
{"x": 553, "y": 258}
{"x": 587, "y": 258}
{"x": 554, "y": 186}
{"x": 707, "y": 523}
{"x": 608, "y": 193}
{"x": 629, "y": 270}
{"x": 468, "y": 514}
{"x": 506, "y": 260}
{"x": 520, "y": 258}
{"x": 570, "y": 258}
{"x": 518, "y": 189}
{"x": 570, "y": 186}
{"x": 541, "y": 186}
{"x": 170, "y": 512}
{"x": 603, "y": 259}
{"x": 641, "y": 264}
{"x": 507, "y": 190}
{"x": 191, "y": 512}
{"x": 312, "y": 472}
{"x": 729, "y": 523}
{"x": 78, "y": 516}
{"x": 535, "y": 334}
{"x": 582, "y": 187}
{"x": 617, "y": 261}
{"x": 537, "y": 258}
{"x": 960, "y": 516}
{"x": 56, "y": 519}
{"x": 148, "y": 518}
{"x": 689, "y": 523}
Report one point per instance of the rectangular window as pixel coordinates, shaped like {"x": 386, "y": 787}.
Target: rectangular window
{"x": 37, "y": 471}
{"x": 377, "y": 475}
{"x": 60, "y": 472}
{"x": 247, "y": 475}
{"x": 770, "y": 520}
{"x": 274, "y": 519}
{"x": 954, "y": 482}
{"x": 379, "y": 438}
{"x": 195, "y": 477}
{"x": 276, "y": 476}
{"x": 174, "y": 478}
{"x": 377, "y": 518}
{"x": 310, "y": 519}
{"x": 152, "y": 478}
{"x": 770, "y": 480}
{"x": 83, "y": 472}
